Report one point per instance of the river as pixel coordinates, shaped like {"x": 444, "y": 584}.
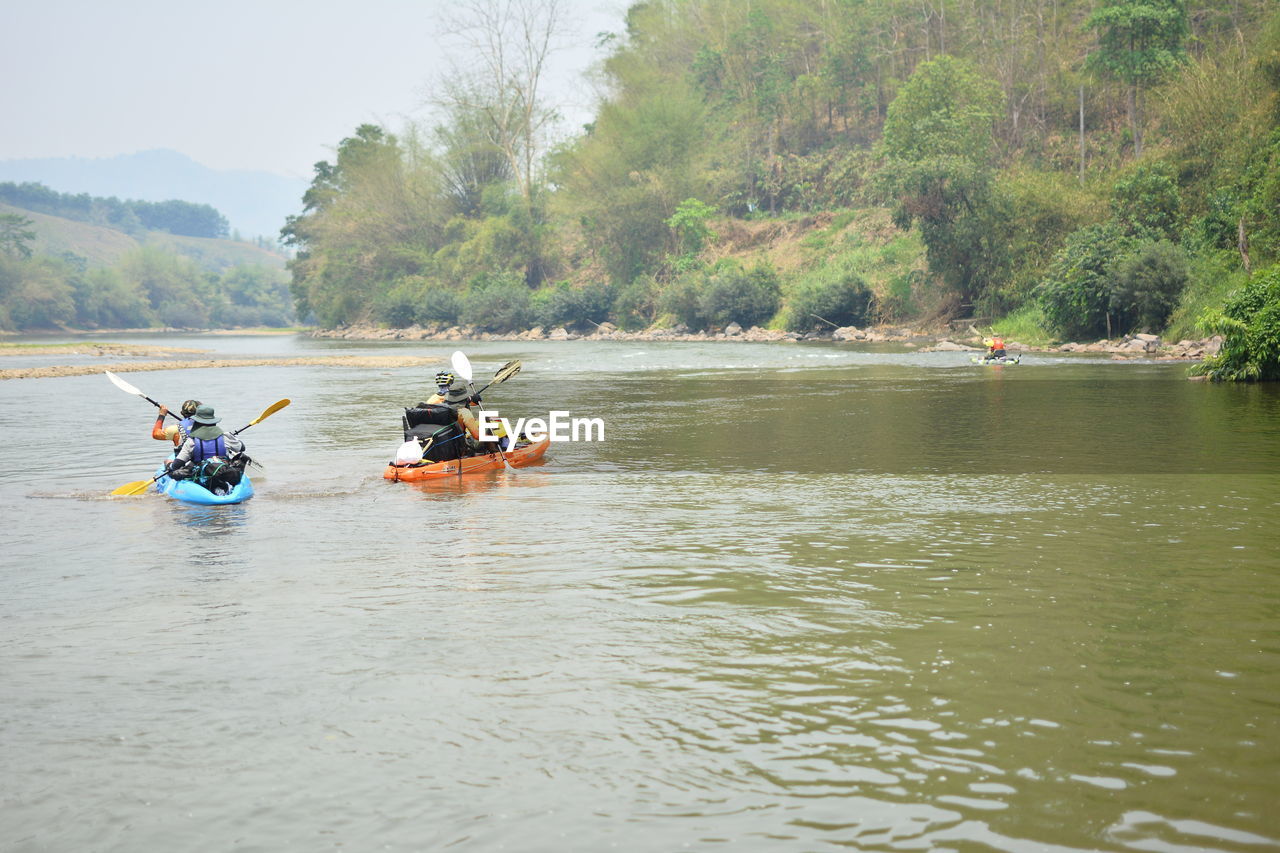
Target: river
{"x": 801, "y": 597}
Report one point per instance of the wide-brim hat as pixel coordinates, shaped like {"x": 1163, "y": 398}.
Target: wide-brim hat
{"x": 204, "y": 415}
{"x": 457, "y": 392}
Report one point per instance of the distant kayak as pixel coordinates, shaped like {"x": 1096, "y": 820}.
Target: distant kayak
{"x": 1002, "y": 360}
{"x": 417, "y": 472}
{"x": 189, "y": 491}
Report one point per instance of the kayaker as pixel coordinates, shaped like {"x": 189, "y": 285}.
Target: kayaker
{"x": 208, "y": 447}
{"x": 995, "y": 346}
{"x": 177, "y": 433}
{"x": 443, "y": 380}
{"x": 459, "y": 398}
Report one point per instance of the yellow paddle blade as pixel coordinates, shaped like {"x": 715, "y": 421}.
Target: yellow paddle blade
{"x": 270, "y": 410}
{"x": 137, "y": 487}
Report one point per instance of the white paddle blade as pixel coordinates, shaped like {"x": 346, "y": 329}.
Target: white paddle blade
{"x": 409, "y": 453}
{"x": 122, "y": 385}
{"x": 461, "y": 365}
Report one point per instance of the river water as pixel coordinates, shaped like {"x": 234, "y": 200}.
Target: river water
{"x": 802, "y": 597}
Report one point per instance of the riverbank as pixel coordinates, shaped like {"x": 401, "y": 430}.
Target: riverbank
{"x": 151, "y": 358}
{"x": 927, "y": 340}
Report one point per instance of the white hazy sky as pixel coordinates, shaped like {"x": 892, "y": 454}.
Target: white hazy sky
{"x": 268, "y": 85}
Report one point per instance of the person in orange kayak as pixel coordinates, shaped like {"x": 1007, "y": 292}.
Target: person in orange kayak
{"x": 995, "y": 346}
{"x": 443, "y": 380}
{"x": 453, "y": 393}
{"x": 458, "y": 397}
{"x": 176, "y": 433}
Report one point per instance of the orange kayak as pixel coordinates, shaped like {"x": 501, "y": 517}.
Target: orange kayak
{"x": 519, "y": 458}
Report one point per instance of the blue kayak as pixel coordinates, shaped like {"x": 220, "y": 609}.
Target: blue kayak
{"x": 192, "y": 492}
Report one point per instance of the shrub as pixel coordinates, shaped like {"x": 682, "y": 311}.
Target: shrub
{"x": 1147, "y": 284}
{"x": 439, "y": 304}
{"x": 398, "y": 306}
{"x": 1076, "y": 292}
{"x": 415, "y": 299}
{"x": 634, "y": 305}
{"x": 833, "y": 294}
{"x": 1250, "y": 329}
{"x": 573, "y": 307}
{"x": 497, "y": 303}
{"x": 680, "y": 299}
{"x": 746, "y": 297}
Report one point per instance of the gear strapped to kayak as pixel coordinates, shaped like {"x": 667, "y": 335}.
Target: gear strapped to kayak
{"x": 439, "y": 436}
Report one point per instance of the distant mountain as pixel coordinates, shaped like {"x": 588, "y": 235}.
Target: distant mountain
{"x": 255, "y": 203}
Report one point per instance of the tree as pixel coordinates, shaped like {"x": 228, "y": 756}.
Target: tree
{"x": 1139, "y": 43}
{"x": 509, "y": 42}
{"x": 15, "y": 235}
{"x": 372, "y": 217}
{"x": 939, "y": 150}
{"x": 1147, "y": 201}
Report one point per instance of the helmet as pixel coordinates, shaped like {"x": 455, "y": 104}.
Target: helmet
{"x": 444, "y": 378}
{"x": 189, "y": 408}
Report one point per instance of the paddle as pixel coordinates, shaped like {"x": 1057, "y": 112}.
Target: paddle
{"x": 129, "y": 389}
{"x": 511, "y": 368}
{"x": 462, "y": 367}
{"x": 137, "y": 487}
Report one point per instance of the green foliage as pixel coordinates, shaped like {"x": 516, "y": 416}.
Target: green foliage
{"x": 1261, "y": 190}
{"x": 689, "y": 223}
{"x": 624, "y": 180}
{"x": 370, "y": 219}
{"x": 939, "y": 146}
{"x": 252, "y": 296}
{"x": 1026, "y": 325}
{"x": 1250, "y": 326}
{"x": 497, "y": 303}
{"x": 746, "y": 297}
{"x": 16, "y": 235}
{"x": 946, "y": 110}
{"x": 1147, "y": 283}
{"x": 573, "y": 307}
{"x": 1075, "y": 295}
{"x": 1147, "y": 200}
{"x": 1043, "y": 209}
{"x": 36, "y": 293}
{"x": 1212, "y": 278}
{"x": 635, "y": 304}
{"x": 176, "y": 217}
{"x": 833, "y": 293}
{"x": 110, "y": 301}
{"x": 680, "y": 298}
{"x": 724, "y": 295}
{"x": 1139, "y": 41}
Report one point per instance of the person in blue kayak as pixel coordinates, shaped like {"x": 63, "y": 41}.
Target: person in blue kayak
{"x": 209, "y": 456}
{"x": 995, "y": 346}
{"x": 177, "y": 433}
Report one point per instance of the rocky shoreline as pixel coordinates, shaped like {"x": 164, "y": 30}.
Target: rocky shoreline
{"x": 1131, "y": 346}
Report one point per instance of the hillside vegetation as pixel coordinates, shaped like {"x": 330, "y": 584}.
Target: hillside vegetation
{"x": 1096, "y": 166}
{"x": 67, "y": 273}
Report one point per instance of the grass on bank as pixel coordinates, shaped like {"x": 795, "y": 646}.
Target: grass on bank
{"x": 1026, "y": 326}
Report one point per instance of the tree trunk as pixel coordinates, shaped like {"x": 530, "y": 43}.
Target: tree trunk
{"x": 1135, "y": 120}
{"x": 1242, "y": 243}
{"x": 1082, "y": 133}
